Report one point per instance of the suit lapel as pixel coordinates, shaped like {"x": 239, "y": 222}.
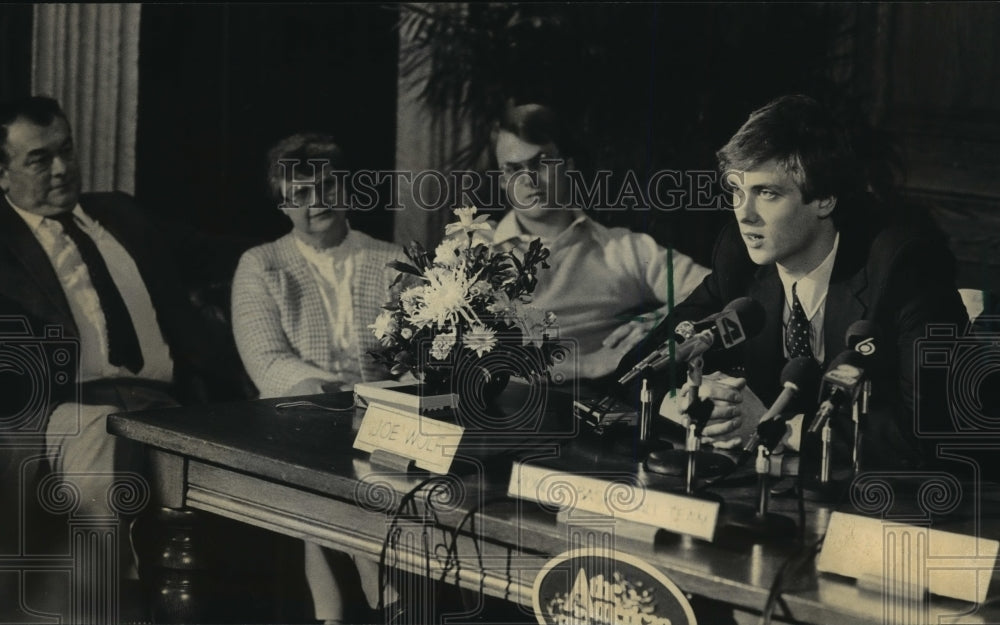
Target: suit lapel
{"x": 41, "y": 291}
{"x": 843, "y": 307}
{"x": 845, "y": 301}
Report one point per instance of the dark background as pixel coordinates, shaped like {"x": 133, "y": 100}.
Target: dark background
{"x": 645, "y": 86}
{"x": 15, "y": 50}
{"x": 219, "y": 84}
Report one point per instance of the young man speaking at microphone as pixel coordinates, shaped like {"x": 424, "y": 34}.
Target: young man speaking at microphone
{"x": 815, "y": 248}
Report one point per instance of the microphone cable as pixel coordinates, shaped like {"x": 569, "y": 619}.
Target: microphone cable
{"x": 800, "y": 508}
{"x": 311, "y": 405}
{"x": 452, "y": 561}
{"x": 809, "y": 553}
{"x": 774, "y": 592}
{"x": 390, "y": 535}
{"x": 719, "y": 481}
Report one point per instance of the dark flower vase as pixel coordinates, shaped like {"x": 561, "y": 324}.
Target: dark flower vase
{"x": 489, "y": 385}
{"x": 434, "y": 382}
{"x": 477, "y": 381}
{"x": 479, "y": 390}
{"x": 477, "y": 385}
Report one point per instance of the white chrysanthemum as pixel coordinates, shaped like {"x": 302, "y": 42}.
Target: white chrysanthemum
{"x": 385, "y": 325}
{"x": 480, "y": 339}
{"x": 442, "y": 345}
{"x": 448, "y": 252}
{"x": 445, "y": 298}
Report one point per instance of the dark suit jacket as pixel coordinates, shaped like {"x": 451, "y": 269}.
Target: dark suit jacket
{"x": 30, "y": 288}
{"x": 900, "y": 276}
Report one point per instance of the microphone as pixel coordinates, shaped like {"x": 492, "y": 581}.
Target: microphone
{"x": 843, "y": 380}
{"x": 741, "y": 318}
{"x": 687, "y": 329}
{"x": 863, "y": 337}
{"x": 799, "y": 378}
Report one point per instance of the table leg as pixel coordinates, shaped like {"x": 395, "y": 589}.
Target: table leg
{"x": 172, "y": 563}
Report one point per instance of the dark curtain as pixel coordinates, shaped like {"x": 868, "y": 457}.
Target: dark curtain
{"x": 219, "y": 84}
{"x": 15, "y": 50}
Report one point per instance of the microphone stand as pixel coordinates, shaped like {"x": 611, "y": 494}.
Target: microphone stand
{"x": 691, "y": 461}
{"x": 824, "y": 487}
{"x": 824, "y": 465}
{"x": 860, "y": 417}
{"x": 690, "y": 448}
{"x": 645, "y": 413}
{"x": 645, "y": 442}
{"x": 763, "y": 469}
{"x": 696, "y": 414}
{"x": 758, "y": 523}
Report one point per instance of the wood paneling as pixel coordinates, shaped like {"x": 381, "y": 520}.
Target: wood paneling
{"x": 941, "y": 101}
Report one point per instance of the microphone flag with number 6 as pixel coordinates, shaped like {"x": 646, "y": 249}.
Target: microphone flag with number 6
{"x": 841, "y": 384}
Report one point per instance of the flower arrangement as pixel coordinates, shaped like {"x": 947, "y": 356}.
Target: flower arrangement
{"x": 466, "y": 304}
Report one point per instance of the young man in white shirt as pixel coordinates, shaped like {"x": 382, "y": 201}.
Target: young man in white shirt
{"x": 607, "y": 286}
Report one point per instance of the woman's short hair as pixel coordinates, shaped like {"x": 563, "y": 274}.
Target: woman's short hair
{"x": 301, "y": 148}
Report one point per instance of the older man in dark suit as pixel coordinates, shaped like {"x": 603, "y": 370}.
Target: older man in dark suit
{"x": 90, "y": 271}
{"x": 813, "y": 246}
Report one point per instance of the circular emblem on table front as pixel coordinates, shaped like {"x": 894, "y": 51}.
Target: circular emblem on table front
{"x": 603, "y": 587}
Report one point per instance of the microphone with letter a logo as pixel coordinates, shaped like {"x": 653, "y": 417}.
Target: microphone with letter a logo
{"x": 741, "y": 318}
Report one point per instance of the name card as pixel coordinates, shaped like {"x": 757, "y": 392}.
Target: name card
{"x": 430, "y": 443}
{"x": 908, "y": 559}
{"x": 675, "y": 513}
{"x": 405, "y": 396}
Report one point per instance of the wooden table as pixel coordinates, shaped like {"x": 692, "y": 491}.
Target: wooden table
{"x": 293, "y": 471}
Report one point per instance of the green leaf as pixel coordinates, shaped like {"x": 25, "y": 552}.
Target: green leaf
{"x": 516, "y": 263}
{"x": 401, "y": 356}
{"x": 405, "y": 268}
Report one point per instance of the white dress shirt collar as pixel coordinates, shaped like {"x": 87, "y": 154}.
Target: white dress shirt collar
{"x": 510, "y": 229}
{"x": 812, "y": 288}
{"x": 35, "y": 221}
{"x": 338, "y": 252}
